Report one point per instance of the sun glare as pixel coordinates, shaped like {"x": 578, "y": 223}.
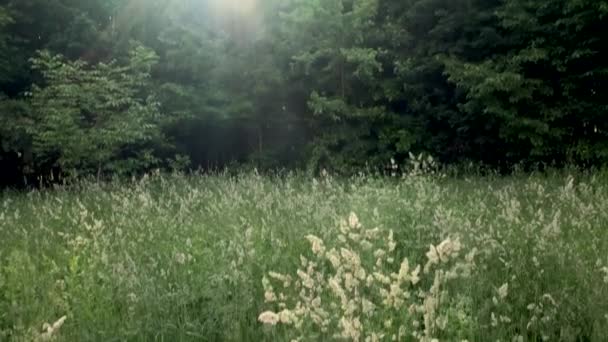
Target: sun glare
{"x": 241, "y": 7}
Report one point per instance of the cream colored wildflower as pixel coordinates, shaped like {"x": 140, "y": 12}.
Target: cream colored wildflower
{"x": 360, "y": 273}
{"x": 316, "y": 303}
{"x": 286, "y": 317}
{"x": 535, "y": 261}
{"x": 350, "y": 257}
{"x": 441, "y": 322}
{"x": 403, "y": 271}
{"x": 307, "y": 281}
{"x": 49, "y": 330}
{"x": 349, "y": 281}
{"x": 550, "y": 299}
{"x": 379, "y": 253}
{"x": 391, "y": 242}
{"x": 316, "y": 244}
{"x": 335, "y": 287}
{"x": 433, "y": 258}
{"x": 415, "y": 278}
{"x": 605, "y": 271}
{"x": 382, "y": 278}
{"x": 303, "y": 261}
{"x": 334, "y": 258}
{"x": 351, "y": 328}
{"x": 372, "y": 234}
{"x": 269, "y": 296}
{"x": 447, "y": 248}
{"x": 353, "y": 221}
{"x": 366, "y": 245}
{"x": 503, "y": 291}
{"x": 268, "y": 317}
{"x": 286, "y": 279}
{"x": 367, "y": 306}
{"x": 354, "y": 237}
{"x": 374, "y": 338}
{"x": 180, "y": 258}
{"x": 471, "y": 255}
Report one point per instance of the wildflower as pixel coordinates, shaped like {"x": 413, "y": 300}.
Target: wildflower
{"x": 350, "y": 257}
{"x": 286, "y": 279}
{"x": 132, "y": 297}
{"x": 354, "y": 237}
{"x": 503, "y": 291}
{"x": 334, "y": 285}
{"x": 373, "y": 338}
{"x": 286, "y": 316}
{"x": 550, "y": 299}
{"x": 379, "y": 253}
{"x": 269, "y": 296}
{"x": 353, "y": 221}
{"x": 333, "y": 258}
{"x": 367, "y": 306}
{"x": 268, "y": 317}
{"x": 351, "y": 328}
{"x": 414, "y": 278}
{"x": 447, "y": 248}
{"x": 471, "y": 255}
{"x": 605, "y": 271}
{"x": 366, "y": 245}
{"x": 442, "y": 322}
{"x": 382, "y": 278}
{"x": 180, "y": 258}
{"x": 391, "y": 242}
{"x": 50, "y": 330}
{"x": 494, "y": 320}
{"x": 316, "y": 244}
{"x": 433, "y": 258}
{"x": 372, "y": 234}
{"x": 535, "y": 261}
{"x": 307, "y": 281}
{"x": 403, "y": 270}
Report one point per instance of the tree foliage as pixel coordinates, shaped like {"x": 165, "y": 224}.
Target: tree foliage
{"x": 339, "y": 84}
{"x": 94, "y": 117}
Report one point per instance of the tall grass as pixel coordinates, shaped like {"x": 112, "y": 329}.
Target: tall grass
{"x": 206, "y": 258}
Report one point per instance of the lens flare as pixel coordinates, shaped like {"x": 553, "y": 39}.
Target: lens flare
{"x": 241, "y": 7}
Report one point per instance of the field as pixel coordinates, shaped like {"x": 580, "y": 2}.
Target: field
{"x": 250, "y": 258}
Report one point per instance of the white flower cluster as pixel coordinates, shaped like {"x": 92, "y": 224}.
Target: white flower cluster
{"x": 353, "y": 290}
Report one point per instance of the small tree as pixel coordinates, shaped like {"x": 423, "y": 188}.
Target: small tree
{"x": 94, "y": 118}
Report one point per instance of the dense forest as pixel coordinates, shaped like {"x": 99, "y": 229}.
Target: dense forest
{"x": 104, "y": 87}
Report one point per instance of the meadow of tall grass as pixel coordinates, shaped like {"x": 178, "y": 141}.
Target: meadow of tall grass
{"x": 245, "y": 257}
